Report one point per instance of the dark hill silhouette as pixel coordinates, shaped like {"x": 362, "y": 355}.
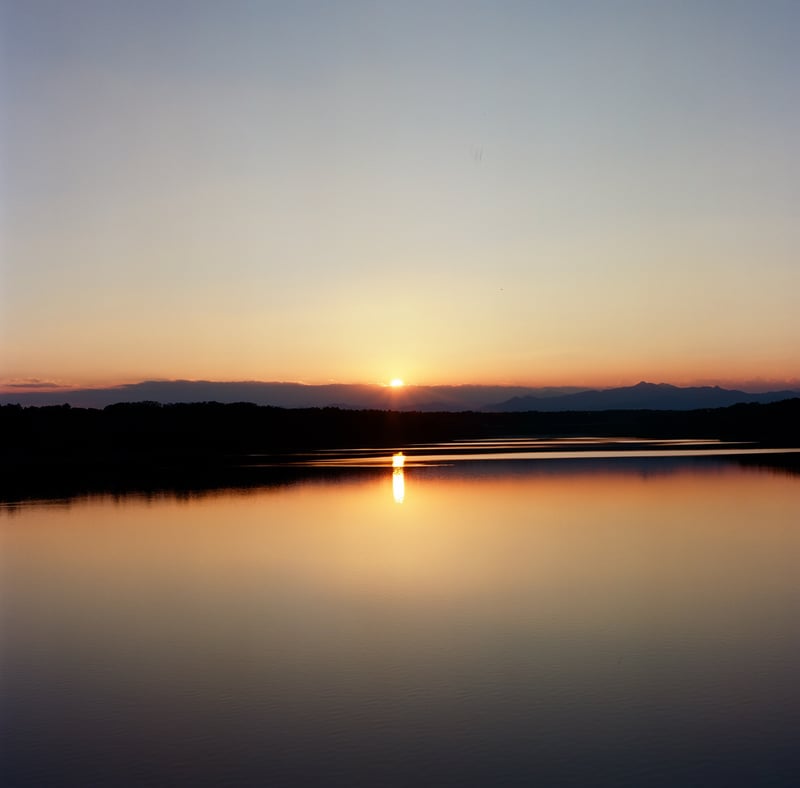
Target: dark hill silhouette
{"x": 653, "y": 396}
{"x": 145, "y": 445}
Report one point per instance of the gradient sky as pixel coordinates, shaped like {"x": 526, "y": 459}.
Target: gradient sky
{"x": 586, "y": 193}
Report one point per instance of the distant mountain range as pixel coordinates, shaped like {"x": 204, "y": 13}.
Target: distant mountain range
{"x": 286, "y": 395}
{"x": 648, "y": 396}
{"x": 651, "y": 396}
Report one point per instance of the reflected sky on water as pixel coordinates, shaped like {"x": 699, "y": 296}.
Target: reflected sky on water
{"x": 583, "y": 622}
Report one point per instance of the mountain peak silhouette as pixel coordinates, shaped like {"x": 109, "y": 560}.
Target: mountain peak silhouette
{"x": 642, "y": 395}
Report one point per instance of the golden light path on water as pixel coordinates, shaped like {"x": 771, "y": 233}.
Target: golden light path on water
{"x": 398, "y": 479}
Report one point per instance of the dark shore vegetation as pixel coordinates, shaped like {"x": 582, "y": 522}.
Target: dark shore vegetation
{"x": 146, "y": 444}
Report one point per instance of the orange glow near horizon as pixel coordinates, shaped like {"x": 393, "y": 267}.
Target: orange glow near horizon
{"x": 745, "y": 380}
{"x": 606, "y": 369}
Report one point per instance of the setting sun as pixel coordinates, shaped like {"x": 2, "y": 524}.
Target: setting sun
{"x": 396, "y": 383}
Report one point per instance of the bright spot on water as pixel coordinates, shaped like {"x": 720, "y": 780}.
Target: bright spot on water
{"x": 398, "y": 480}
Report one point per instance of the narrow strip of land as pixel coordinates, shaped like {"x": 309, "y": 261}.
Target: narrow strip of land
{"x": 143, "y": 444}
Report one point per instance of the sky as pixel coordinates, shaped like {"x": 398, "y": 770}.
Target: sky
{"x": 530, "y": 193}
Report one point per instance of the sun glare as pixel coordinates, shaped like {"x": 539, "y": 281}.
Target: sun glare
{"x": 398, "y": 479}
{"x": 396, "y": 383}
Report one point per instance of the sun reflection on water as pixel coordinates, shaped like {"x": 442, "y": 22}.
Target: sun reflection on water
{"x": 398, "y": 478}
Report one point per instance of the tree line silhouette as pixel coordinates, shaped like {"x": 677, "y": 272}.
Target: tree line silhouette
{"x": 209, "y": 441}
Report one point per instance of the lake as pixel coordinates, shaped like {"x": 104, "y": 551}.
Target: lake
{"x": 476, "y": 614}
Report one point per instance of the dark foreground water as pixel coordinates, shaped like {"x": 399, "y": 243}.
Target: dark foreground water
{"x": 539, "y": 622}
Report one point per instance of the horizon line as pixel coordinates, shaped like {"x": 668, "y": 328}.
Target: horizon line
{"x": 24, "y": 386}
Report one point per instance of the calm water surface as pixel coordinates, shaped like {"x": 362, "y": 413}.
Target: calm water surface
{"x": 629, "y": 621}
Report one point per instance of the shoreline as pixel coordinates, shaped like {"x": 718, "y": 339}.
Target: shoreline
{"x": 60, "y": 452}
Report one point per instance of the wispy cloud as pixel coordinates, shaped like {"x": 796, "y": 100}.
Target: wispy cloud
{"x": 33, "y": 383}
